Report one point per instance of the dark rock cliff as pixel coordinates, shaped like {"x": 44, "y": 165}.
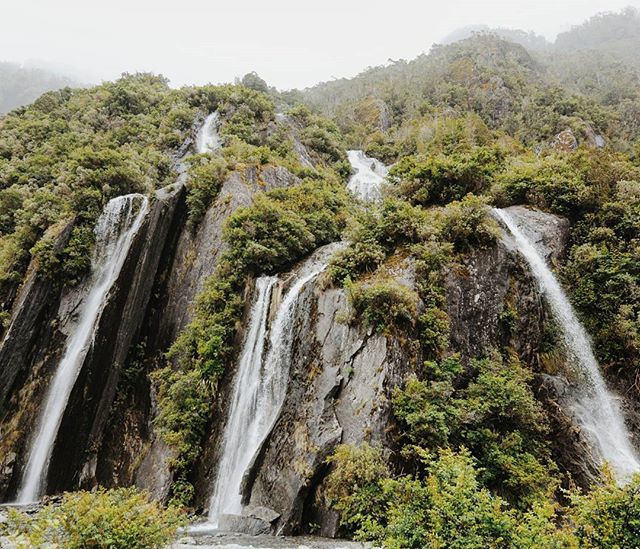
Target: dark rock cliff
{"x": 130, "y": 452}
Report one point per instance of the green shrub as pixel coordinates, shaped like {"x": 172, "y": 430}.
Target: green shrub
{"x": 383, "y": 305}
{"x": 434, "y": 331}
{"x": 550, "y": 183}
{"x": 440, "y": 179}
{"x": 494, "y": 414}
{"x": 322, "y": 138}
{"x": 77, "y": 254}
{"x": 284, "y": 225}
{"x": 449, "y": 508}
{"x": 354, "y": 487}
{"x": 608, "y": 516}
{"x": 360, "y": 257}
{"x": 106, "y": 519}
{"x": 468, "y": 225}
{"x": 376, "y": 233}
{"x": 206, "y": 176}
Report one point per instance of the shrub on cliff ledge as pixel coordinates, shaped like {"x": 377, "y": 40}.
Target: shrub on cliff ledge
{"x": 383, "y": 304}
{"x": 107, "y": 519}
{"x": 284, "y": 225}
{"x": 467, "y": 225}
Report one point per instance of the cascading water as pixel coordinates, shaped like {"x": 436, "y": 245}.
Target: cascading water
{"x": 260, "y": 384}
{"x": 115, "y": 230}
{"x": 595, "y": 409}
{"x": 365, "y": 183}
{"x": 208, "y": 139}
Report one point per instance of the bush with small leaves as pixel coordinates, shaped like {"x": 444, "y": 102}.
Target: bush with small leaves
{"x": 122, "y": 518}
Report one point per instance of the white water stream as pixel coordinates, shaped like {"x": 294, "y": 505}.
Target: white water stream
{"x": 369, "y": 175}
{"x": 115, "y": 230}
{"x": 260, "y": 384}
{"x": 208, "y": 139}
{"x": 594, "y": 407}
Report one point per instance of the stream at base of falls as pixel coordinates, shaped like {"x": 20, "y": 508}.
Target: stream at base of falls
{"x": 242, "y": 541}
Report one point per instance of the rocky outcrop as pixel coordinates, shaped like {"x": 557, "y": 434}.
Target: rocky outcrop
{"x": 339, "y": 387}
{"x": 32, "y": 343}
{"x": 34, "y": 305}
{"x": 565, "y": 141}
{"x": 74, "y": 455}
{"x": 480, "y": 288}
{"x": 342, "y": 375}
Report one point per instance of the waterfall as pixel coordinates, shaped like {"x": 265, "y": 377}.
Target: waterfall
{"x": 260, "y": 383}
{"x": 115, "y": 230}
{"x": 593, "y": 406}
{"x": 208, "y": 139}
{"x": 369, "y": 175}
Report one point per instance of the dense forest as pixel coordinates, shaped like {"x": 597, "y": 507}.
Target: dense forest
{"x": 466, "y": 440}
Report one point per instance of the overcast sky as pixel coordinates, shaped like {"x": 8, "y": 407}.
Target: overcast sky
{"x": 290, "y": 43}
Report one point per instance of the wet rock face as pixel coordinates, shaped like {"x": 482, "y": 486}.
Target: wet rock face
{"x": 131, "y": 452}
{"x": 34, "y": 305}
{"x": 340, "y": 383}
{"x": 550, "y": 233}
{"x": 90, "y": 403}
{"x": 30, "y": 347}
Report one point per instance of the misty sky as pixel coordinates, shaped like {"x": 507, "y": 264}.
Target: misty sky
{"x": 290, "y": 43}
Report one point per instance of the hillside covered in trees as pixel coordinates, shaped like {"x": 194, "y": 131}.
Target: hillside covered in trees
{"x": 278, "y": 351}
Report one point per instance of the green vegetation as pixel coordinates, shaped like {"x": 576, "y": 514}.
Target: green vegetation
{"x": 469, "y": 126}
{"x": 449, "y": 507}
{"x": 599, "y": 192}
{"x": 66, "y": 155}
{"x": 383, "y": 304}
{"x": 285, "y": 225}
{"x": 488, "y": 408}
{"x": 445, "y": 177}
{"x": 105, "y": 519}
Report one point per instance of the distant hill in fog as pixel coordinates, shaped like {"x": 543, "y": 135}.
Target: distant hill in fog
{"x": 21, "y": 86}
{"x": 610, "y": 33}
{"x": 529, "y": 40}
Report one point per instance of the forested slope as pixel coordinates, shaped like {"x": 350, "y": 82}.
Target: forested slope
{"x": 425, "y": 383}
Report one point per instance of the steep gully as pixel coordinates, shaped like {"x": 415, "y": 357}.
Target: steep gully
{"x": 115, "y": 230}
{"x": 263, "y": 369}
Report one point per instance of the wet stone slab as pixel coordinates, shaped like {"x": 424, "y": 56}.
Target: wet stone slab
{"x": 243, "y": 541}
